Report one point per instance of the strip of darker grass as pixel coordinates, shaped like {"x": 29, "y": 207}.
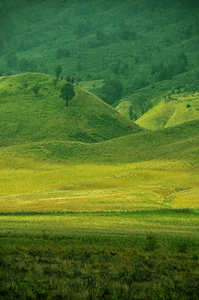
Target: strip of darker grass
{"x": 137, "y": 212}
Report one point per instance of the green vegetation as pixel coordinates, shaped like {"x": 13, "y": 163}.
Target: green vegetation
{"x": 92, "y": 205}
{"x": 173, "y": 110}
{"x": 114, "y": 219}
{"x": 141, "y": 44}
{"x": 58, "y": 71}
{"x": 26, "y": 118}
{"x": 94, "y": 267}
{"x": 67, "y": 92}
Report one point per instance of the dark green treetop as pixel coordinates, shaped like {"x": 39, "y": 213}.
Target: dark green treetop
{"x": 67, "y": 92}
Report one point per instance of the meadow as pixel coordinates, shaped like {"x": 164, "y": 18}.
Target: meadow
{"x": 98, "y": 231}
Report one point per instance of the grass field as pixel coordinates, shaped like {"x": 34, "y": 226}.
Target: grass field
{"x": 126, "y": 255}
{"x": 98, "y": 231}
{"x": 97, "y": 188}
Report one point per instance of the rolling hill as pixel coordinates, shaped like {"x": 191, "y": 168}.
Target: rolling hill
{"x": 28, "y": 117}
{"x": 146, "y": 170}
{"x": 180, "y": 143}
{"x": 172, "y": 111}
{"x": 50, "y": 152}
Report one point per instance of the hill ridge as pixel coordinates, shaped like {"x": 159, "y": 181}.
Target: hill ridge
{"x": 178, "y": 109}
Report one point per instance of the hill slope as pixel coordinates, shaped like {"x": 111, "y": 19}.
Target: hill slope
{"x": 171, "y": 112}
{"x": 26, "y": 117}
{"x": 180, "y": 143}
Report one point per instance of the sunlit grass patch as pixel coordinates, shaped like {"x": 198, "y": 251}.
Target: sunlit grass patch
{"x": 186, "y": 199}
{"x": 177, "y": 110}
{"x": 89, "y": 187}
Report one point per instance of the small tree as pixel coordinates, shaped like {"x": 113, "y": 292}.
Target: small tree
{"x": 36, "y": 89}
{"x": 67, "y": 92}
{"x": 58, "y": 71}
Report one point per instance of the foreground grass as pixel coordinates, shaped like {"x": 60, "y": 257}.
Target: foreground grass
{"x": 50, "y": 263}
{"x": 97, "y": 231}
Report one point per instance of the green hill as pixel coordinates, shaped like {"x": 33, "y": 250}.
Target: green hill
{"x": 27, "y": 117}
{"x": 172, "y": 111}
{"x": 180, "y": 143}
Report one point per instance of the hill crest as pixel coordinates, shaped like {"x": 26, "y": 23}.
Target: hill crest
{"x": 28, "y": 117}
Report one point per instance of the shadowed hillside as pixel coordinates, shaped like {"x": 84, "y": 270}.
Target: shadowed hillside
{"x": 180, "y": 143}
{"x": 27, "y": 116}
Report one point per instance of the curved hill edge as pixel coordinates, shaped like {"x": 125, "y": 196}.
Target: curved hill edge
{"x": 179, "y": 143}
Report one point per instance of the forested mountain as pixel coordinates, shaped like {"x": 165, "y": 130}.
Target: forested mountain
{"x": 136, "y": 49}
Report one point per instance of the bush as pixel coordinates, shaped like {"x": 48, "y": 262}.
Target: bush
{"x": 151, "y": 242}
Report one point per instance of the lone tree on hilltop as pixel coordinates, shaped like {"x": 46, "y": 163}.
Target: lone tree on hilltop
{"x": 67, "y": 92}
{"x": 58, "y": 71}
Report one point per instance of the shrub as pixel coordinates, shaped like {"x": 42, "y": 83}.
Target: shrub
{"x": 151, "y": 242}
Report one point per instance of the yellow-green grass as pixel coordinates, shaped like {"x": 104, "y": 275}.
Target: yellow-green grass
{"x": 39, "y": 186}
{"x": 168, "y": 113}
{"x": 180, "y": 143}
{"x": 189, "y": 198}
{"x": 125, "y": 108}
{"x": 163, "y": 223}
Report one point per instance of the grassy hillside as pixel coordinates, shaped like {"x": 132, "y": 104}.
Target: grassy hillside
{"x": 145, "y": 170}
{"x": 174, "y": 110}
{"x": 26, "y": 117}
{"x": 177, "y": 143}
